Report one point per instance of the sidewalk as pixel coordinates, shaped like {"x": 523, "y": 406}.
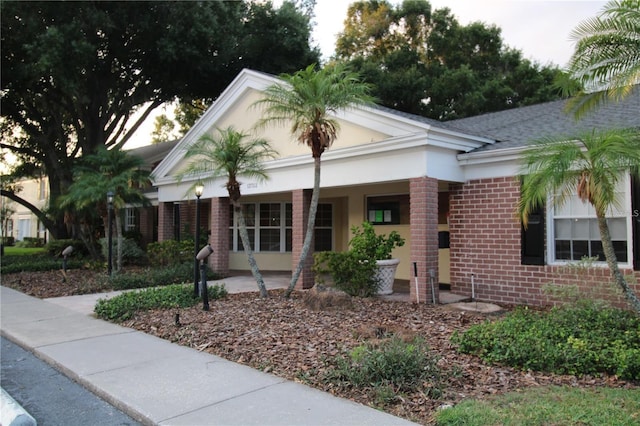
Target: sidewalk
{"x": 160, "y": 383}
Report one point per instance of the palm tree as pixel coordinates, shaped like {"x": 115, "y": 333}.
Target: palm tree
{"x": 591, "y": 166}
{"x": 606, "y": 60}
{"x": 108, "y": 170}
{"x": 305, "y": 100}
{"x": 233, "y": 155}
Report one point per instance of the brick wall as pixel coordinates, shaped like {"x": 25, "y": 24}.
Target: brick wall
{"x": 300, "y": 205}
{"x": 424, "y": 235}
{"x": 485, "y": 242}
{"x": 165, "y": 221}
{"x": 219, "y": 238}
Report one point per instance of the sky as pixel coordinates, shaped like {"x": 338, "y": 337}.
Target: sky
{"x": 538, "y": 28}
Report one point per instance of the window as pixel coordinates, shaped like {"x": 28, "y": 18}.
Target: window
{"x": 130, "y": 222}
{"x": 576, "y": 233}
{"x": 270, "y": 227}
{"x": 388, "y": 209}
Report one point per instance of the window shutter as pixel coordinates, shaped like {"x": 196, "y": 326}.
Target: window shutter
{"x": 532, "y": 239}
{"x": 635, "y": 220}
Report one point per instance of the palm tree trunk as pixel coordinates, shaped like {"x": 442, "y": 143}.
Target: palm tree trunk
{"x": 313, "y": 208}
{"x": 612, "y": 261}
{"x": 244, "y": 236}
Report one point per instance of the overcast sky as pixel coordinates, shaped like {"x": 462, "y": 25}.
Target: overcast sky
{"x": 539, "y": 28}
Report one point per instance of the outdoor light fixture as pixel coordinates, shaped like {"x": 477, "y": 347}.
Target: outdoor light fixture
{"x": 198, "y": 190}
{"x": 200, "y": 257}
{"x": 110, "y": 233}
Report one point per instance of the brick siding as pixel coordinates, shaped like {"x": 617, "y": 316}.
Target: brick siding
{"x": 301, "y": 199}
{"x": 485, "y": 242}
{"x": 423, "y": 193}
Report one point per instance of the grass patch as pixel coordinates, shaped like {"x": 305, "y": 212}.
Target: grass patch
{"x": 23, "y": 251}
{"x": 125, "y": 305}
{"x": 549, "y": 406}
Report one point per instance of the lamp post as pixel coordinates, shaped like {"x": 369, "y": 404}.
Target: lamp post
{"x": 198, "y": 190}
{"x": 110, "y": 233}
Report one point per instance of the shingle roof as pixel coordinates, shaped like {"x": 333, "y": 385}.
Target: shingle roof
{"x": 516, "y": 127}
{"x": 154, "y": 153}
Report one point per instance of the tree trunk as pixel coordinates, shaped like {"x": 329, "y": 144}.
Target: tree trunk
{"x": 244, "y": 236}
{"x": 612, "y": 261}
{"x": 313, "y": 208}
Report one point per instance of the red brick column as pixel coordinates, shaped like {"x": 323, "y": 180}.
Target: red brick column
{"x": 301, "y": 199}
{"x": 219, "y": 238}
{"x": 423, "y": 194}
{"x": 145, "y": 225}
{"x": 165, "y": 221}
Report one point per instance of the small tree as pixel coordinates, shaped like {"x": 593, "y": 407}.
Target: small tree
{"x": 591, "y": 166}
{"x": 306, "y": 100}
{"x": 232, "y": 154}
{"x": 108, "y": 170}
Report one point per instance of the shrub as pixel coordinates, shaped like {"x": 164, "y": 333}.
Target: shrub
{"x": 30, "y": 242}
{"x": 154, "y": 277}
{"x": 388, "y": 365}
{"x": 354, "y": 271}
{"x": 131, "y": 253}
{"x": 54, "y": 247}
{"x": 170, "y": 252}
{"x": 34, "y": 263}
{"x": 349, "y": 271}
{"x": 124, "y": 306}
{"x": 582, "y": 339}
{"x": 370, "y": 245}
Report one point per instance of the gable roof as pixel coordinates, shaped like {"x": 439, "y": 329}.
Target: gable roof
{"x": 516, "y": 127}
{"x": 153, "y": 154}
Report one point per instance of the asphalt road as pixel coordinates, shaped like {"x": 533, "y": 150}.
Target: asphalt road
{"x": 49, "y": 396}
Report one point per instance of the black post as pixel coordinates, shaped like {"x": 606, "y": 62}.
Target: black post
{"x": 203, "y": 286}
{"x": 197, "y": 242}
{"x": 110, "y": 237}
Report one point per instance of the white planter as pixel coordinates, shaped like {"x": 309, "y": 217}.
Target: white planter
{"x": 386, "y": 274}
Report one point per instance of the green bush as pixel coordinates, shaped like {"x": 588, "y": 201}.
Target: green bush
{"x": 354, "y": 271}
{"x": 30, "y": 242}
{"x": 388, "y": 366}
{"x": 54, "y": 247}
{"x": 34, "y": 263}
{"x": 582, "y": 339}
{"x": 154, "y": 277}
{"x": 125, "y": 305}
{"x": 170, "y": 252}
{"x": 350, "y": 272}
{"x": 131, "y": 253}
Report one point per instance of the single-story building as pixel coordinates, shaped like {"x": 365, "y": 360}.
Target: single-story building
{"x": 449, "y": 188}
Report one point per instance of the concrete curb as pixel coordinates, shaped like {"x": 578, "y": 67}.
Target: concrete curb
{"x": 12, "y": 413}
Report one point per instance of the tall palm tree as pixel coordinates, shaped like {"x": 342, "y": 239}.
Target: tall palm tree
{"x": 108, "y": 170}
{"x": 591, "y": 166}
{"x": 606, "y": 60}
{"x": 232, "y": 154}
{"x": 309, "y": 100}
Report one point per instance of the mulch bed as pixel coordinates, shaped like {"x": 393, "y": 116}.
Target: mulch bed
{"x": 286, "y": 338}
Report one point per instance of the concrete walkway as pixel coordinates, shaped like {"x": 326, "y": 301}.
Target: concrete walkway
{"x": 160, "y": 383}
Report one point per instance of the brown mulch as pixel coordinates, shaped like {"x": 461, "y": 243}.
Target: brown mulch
{"x": 284, "y": 337}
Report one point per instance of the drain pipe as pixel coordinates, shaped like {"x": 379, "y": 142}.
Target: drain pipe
{"x": 432, "y": 278}
{"x": 473, "y": 288}
{"x": 415, "y": 274}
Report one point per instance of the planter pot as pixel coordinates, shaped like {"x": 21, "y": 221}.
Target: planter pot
{"x": 386, "y": 274}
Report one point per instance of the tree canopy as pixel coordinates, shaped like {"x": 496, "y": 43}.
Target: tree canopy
{"x": 74, "y": 73}
{"x": 422, "y": 61}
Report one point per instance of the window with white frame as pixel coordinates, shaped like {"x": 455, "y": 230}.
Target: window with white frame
{"x": 130, "y": 219}
{"x": 575, "y": 232}
{"x": 270, "y": 225}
